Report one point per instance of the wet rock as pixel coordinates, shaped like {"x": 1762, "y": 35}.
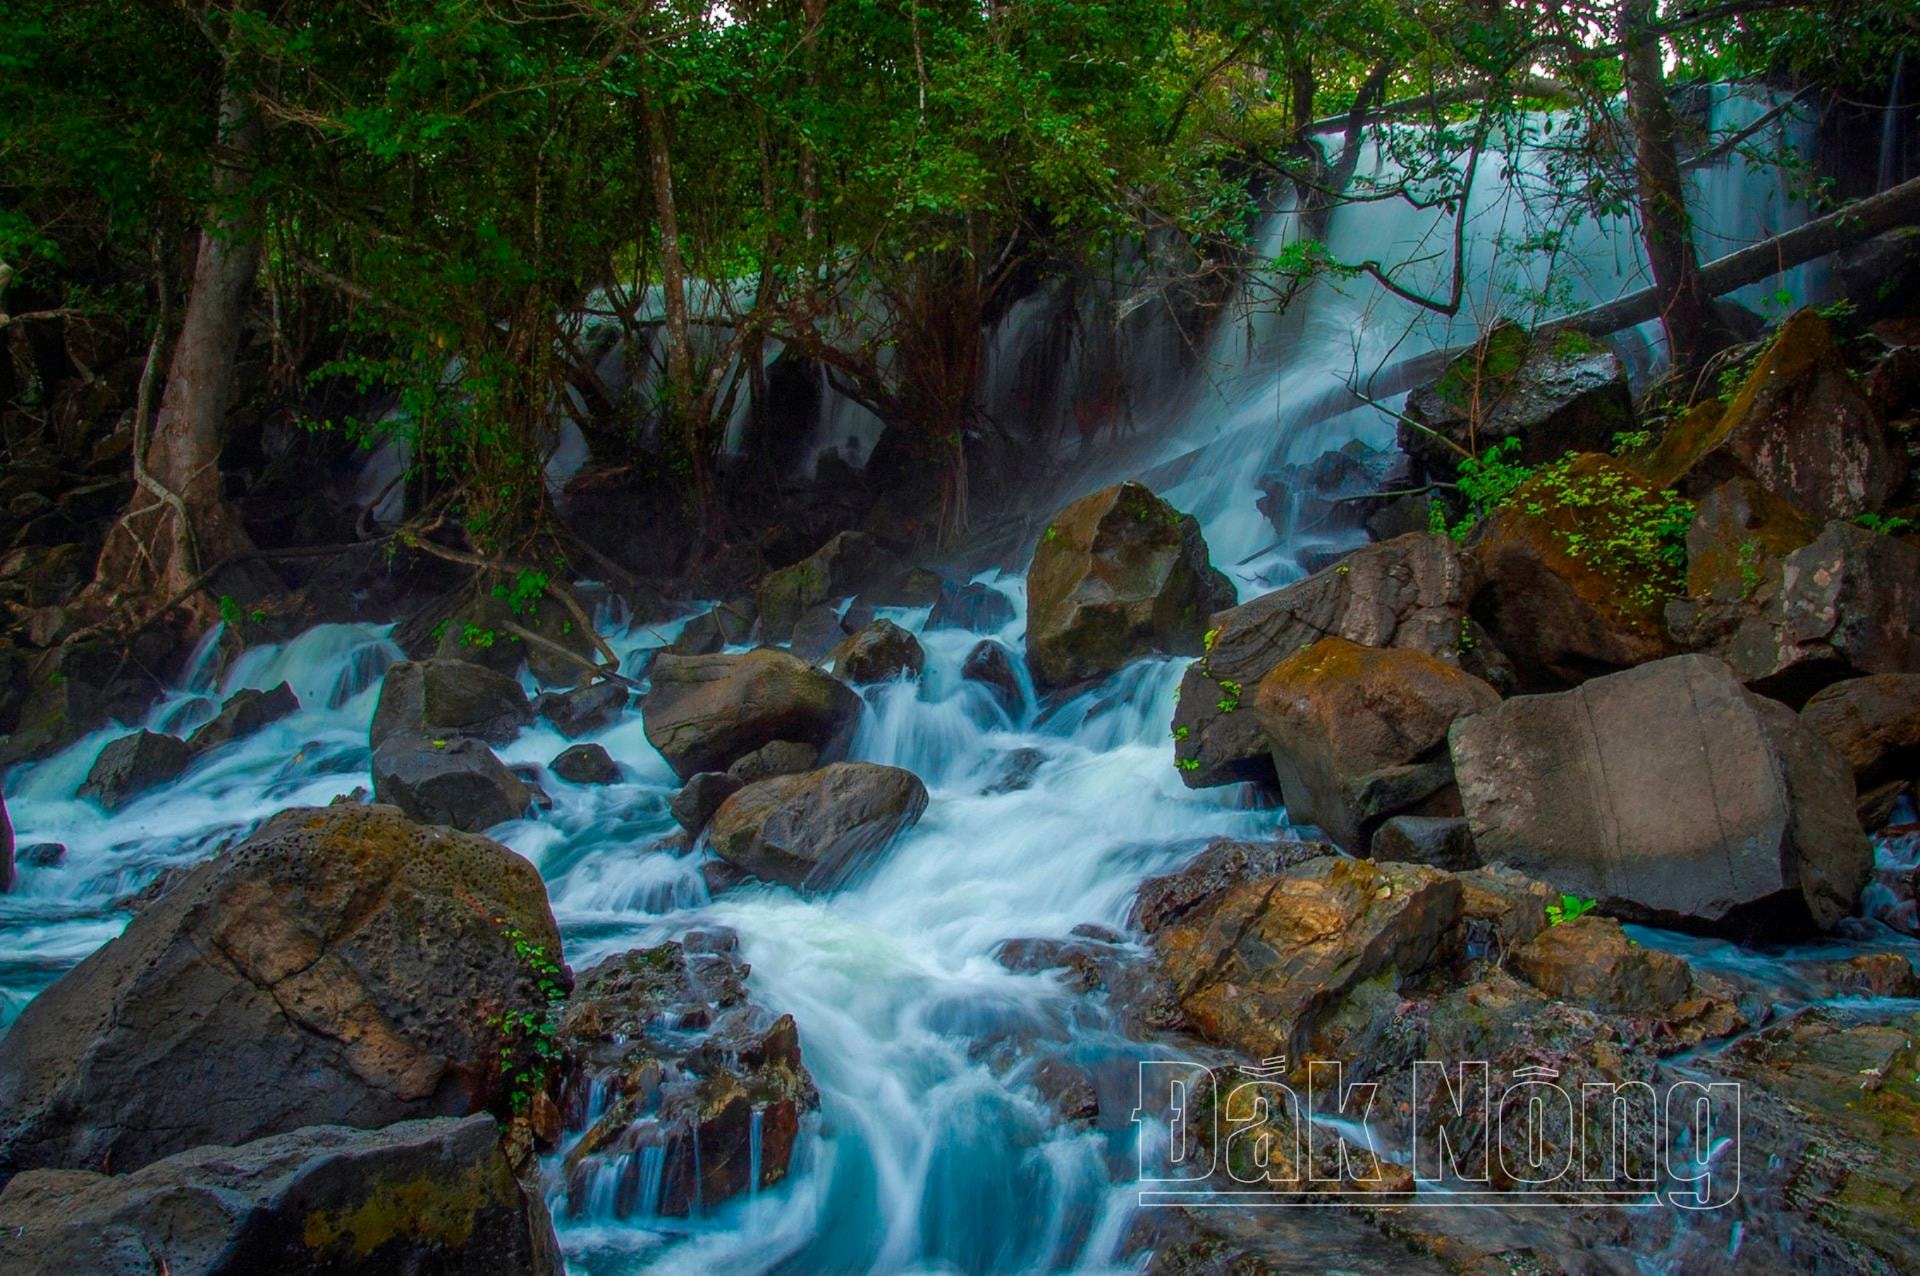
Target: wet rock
{"x": 699, "y": 1082}
{"x": 1590, "y": 961}
{"x": 448, "y": 700}
{"x": 1016, "y": 771}
{"x": 430, "y": 1195}
{"x": 244, "y": 713}
{"x": 585, "y": 764}
{"x": 1329, "y": 493}
{"x": 1666, "y": 792}
{"x": 6, "y": 847}
{"x": 817, "y": 633}
{"x": 1556, "y": 392}
{"x": 980, "y": 608}
{"x": 727, "y": 625}
{"x": 1868, "y": 975}
{"x": 583, "y": 710}
{"x": 1799, "y": 426}
{"x": 41, "y": 854}
{"x": 991, "y": 665}
{"x": 131, "y": 765}
{"x": 1337, "y": 714}
{"x": 1162, "y": 901}
{"x": 844, "y": 566}
{"x": 899, "y": 586}
{"x": 1263, "y": 966}
{"x": 1872, "y": 722}
{"x": 879, "y": 652}
{"x": 1409, "y": 593}
{"x": 1500, "y": 909}
{"x": 700, "y": 797}
{"x": 813, "y": 830}
{"x": 458, "y": 783}
{"x": 1067, "y": 1088}
{"x": 342, "y": 966}
{"x": 1881, "y": 276}
{"x": 705, "y": 712}
{"x": 1118, "y": 575}
{"x": 1558, "y": 603}
{"x": 1440, "y": 840}
{"x": 775, "y": 757}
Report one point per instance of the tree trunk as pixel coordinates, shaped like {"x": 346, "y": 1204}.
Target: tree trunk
{"x": 180, "y": 527}
{"x": 1665, "y": 227}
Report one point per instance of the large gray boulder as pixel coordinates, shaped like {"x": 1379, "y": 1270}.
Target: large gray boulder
{"x": 1118, "y": 575}
{"x": 705, "y": 712}
{"x": 343, "y": 965}
{"x": 1410, "y": 592}
{"x": 458, "y": 783}
{"x": 418, "y": 1196}
{"x": 1668, "y": 793}
{"x": 131, "y": 765}
{"x": 448, "y": 699}
{"x": 813, "y": 830}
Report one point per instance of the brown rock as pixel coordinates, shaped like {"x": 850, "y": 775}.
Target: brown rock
{"x": 879, "y": 652}
{"x": 813, "y": 830}
{"x": 1872, "y": 722}
{"x": 1590, "y": 961}
{"x": 705, "y": 712}
{"x": 1740, "y": 534}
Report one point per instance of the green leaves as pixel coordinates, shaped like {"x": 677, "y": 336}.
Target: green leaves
{"x": 1568, "y": 908}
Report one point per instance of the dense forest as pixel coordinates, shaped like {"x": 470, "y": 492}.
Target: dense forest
{"x": 653, "y": 635}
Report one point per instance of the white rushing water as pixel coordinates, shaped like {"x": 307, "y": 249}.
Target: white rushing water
{"x": 931, "y": 1152}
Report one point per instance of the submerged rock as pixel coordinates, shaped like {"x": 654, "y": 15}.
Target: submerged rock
{"x": 813, "y": 830}
{"x": 458, "y": 783}
{"x": 991, "y": 665}
{"x": 1407, "y": 593}
{"x": 131, "y": 765}
{"x": 701, "y": 1086}
{"x": 705, "y": 712}
{"x": 343, "y": 965}
{"x": 1118, "y": 575}
{"x": 1352, "y": 729}
{"x": 447, "y": 700}
{"x": 433, "y": 1195}
{"x": 244, "y": 713}
{"x": 1667, "y": 792}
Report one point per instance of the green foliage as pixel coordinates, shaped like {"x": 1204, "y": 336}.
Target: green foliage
{"x": 1884, "y": 524}
{"x": 528, "y": 1048}
{"x": 1485, "y": 483}
{"x": 526, "y": 591}
{"x": 1567, "y": 908}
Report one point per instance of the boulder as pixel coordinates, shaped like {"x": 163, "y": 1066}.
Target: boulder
{"x": 458, "y": 783}
{"x": 419, "y": 1196}
{"x": 1332, "y": 492}
{"x": 814, "y": 830}
{"x": 1881, "y": 276}
{"x": 705, "y": 712}
{"x": 1263, "y": 965}
{"x": 131, "y": 765}
{"x": 1118, "y": 575}
{"x": 1556, "y": 392}
{"x": 727, "y": 625}
{"x": 776, "y": 757}
{"x": 448, "y": 700}
{"x": 1740, "y": 534}
{"x": 1568, "y": 589}
{"x": 991, "y": 665}
{"x": 583, "y": 710}
{"x": 704, "y": 1085}
{"x": 818, "y": 631}
{"x": 585, "y": 764}
{"x": 1799, "y": 426}
{"x": 1338, "y": 714}
{"x": 342, "y": 966}
{"x": 1846, "y": 605}
{"x": 980, "y": 608}
{"x": 1590, "y": 962}
{"x": 1410, "y": 593}
{"x": 700, "y": 797}
{"x": 244, "y": 713}
{"x": 1440, "y": 840}
{"x": 1669, "y": 793}
{"x": 844, "y": 566}
{"x": 1872, "y": 722}
{"x": 879, "y": 652}
{"x": 1162, "y": 901}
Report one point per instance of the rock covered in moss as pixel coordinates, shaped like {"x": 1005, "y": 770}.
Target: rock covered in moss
{"x": 1118, "y": 575}
{"x": 1555, "y": 392}
{"x": 1359, "y": 734}
{"x": 428, "y": 1195}
{"x": 343, "y": 965}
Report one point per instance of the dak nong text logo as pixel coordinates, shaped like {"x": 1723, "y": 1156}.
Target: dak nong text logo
{"x": 1462, "y": 1135}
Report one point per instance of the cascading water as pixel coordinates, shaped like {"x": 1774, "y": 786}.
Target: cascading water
{"x": 931, "y": 1149}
